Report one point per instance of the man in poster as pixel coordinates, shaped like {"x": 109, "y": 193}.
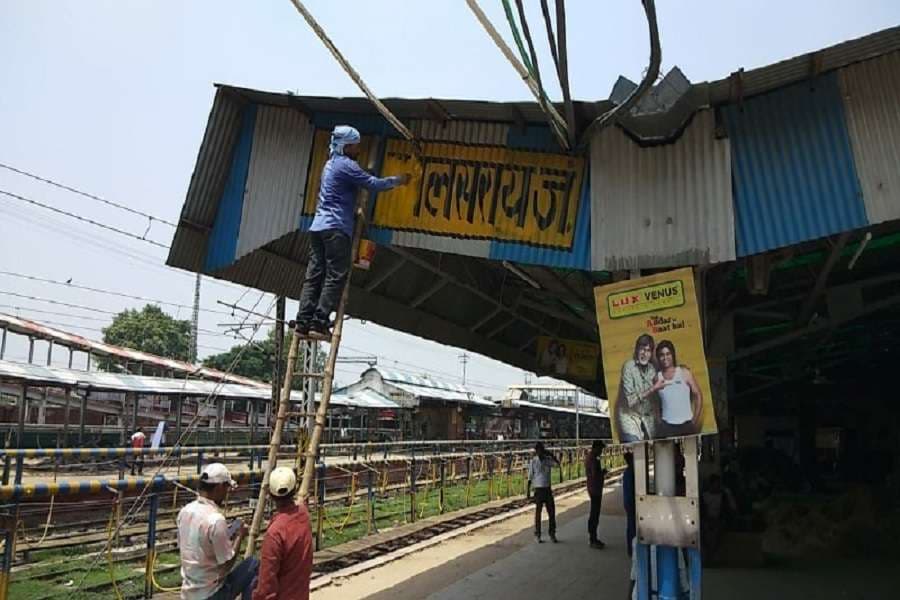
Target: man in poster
{"x": 636, "y": 414}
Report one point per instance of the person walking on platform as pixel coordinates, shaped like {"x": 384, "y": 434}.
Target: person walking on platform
{"x": 331, "y": 232}
{"x": 208, "y": 545}
{"x": 595, "y": 473}
{"x": 286, "y": 558}
{"x": 539, "y": 475}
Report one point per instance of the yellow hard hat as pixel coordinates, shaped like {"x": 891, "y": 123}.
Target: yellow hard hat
{"x": 282, "y": 481}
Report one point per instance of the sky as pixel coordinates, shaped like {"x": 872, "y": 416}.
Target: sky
{"x": 112, "y": 97}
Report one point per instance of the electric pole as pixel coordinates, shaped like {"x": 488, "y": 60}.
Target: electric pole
{"x": 195, "y": 320}
{"x": 464, "y": 359}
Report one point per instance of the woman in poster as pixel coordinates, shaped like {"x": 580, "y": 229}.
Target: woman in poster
{"x": 680, "y": 398}
{"x": 635, "y": 411}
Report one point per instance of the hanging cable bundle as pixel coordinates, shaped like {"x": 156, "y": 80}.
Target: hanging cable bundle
{"x": 610, "y": 117}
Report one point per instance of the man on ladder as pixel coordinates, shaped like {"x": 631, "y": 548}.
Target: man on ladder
{"x": 331, "y": 232}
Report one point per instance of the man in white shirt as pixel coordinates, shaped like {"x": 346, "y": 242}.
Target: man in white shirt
{"x": 539, "y": 475}
{"x": 208, "y": 546}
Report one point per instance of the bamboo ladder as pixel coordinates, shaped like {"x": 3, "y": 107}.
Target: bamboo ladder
{"x": 327, "y": 377}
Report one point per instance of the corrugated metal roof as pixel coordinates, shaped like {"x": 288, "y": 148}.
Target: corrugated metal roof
{"x": 30, "y": 328}
{"x": 222, "y": 243}
{"x": 557, "y": 409}
{"x": 794, "y": 175}
{"x": 559, "y": 394}
{"x": 276, "y": 181}
{"x": 465, "y": 132}
{"x": 213, "y": 160}
{"x": 141, "y": 384}
{"x": 871, "y": 93}
{"x": 361, "y": 398}
{"x": 188, "y": 249}
{"x": 427, "y": 387}
{"x": 410, "y": 109}
{"x": 450, "y": 317}
{"x": 800, "y": 68}
{"x": 116, "y": 382}
{"x": 435, "y": 243}
{"x": 661, "y": 206}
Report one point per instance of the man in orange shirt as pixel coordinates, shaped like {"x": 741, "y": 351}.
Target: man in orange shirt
{"x": 287, "y": 554}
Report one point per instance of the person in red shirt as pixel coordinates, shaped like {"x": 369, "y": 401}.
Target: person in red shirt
{"x": 593, "y": 468}
{"x": 137, "y": 442}
{"x": 287, "y": 554}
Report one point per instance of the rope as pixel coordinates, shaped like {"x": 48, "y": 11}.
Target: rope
{"x": 352, "y": 501}
{"x": 650, "y": 76}
{"x": 384, "y": 481}
{"x": 153, "y": 580}
{"x": 49, "y": 512}
{"x": 385, "y": 112}
{"x": 561, "y": 131}
{"x": 425, "y": 490}
{"x": 109, "y": 559}
{"x": 508, "y": 53}
{"x": 141, "y": 499}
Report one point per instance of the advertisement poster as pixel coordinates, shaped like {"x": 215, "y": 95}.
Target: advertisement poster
{"x": 568, "y": 357}
{"x": 657, "y": 378}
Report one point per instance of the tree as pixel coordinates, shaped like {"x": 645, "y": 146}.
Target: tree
{"x": 150, "y": 330}
{"x": 257, "y": 359}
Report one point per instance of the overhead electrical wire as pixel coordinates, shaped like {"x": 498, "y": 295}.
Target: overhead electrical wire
{"x": 107, "y": 292}
{"x": 84, "y": 219}
{"x": 561, "y": 58}
{"x": 118, "y": 250}
{"x": 99, "y": 330}
{"x": 17, "y": 308}
{"x": 111, "y": 247}
{"x": 536, "y": 70}
{"x": 551, "y": 39}
{"x": 531, "y": 61}
{"x": 87, "y": 195}
{"x": 28, "y": 309}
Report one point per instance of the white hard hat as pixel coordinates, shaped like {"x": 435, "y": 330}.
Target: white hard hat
{"x": 282, "y": 481}
{"x": 217, "y": 473}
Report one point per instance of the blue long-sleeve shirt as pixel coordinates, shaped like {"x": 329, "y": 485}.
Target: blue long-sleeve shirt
{"x": 341, "y": 178}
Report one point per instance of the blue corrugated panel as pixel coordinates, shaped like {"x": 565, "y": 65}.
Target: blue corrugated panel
{"x": 533, "y": 137}
{"x": 578, "y": 258}
{"x": 222, "y": 244}
{"x": 792, "y": 164}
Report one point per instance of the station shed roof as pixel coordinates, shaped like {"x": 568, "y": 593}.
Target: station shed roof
{"x": 826, "y": 115}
